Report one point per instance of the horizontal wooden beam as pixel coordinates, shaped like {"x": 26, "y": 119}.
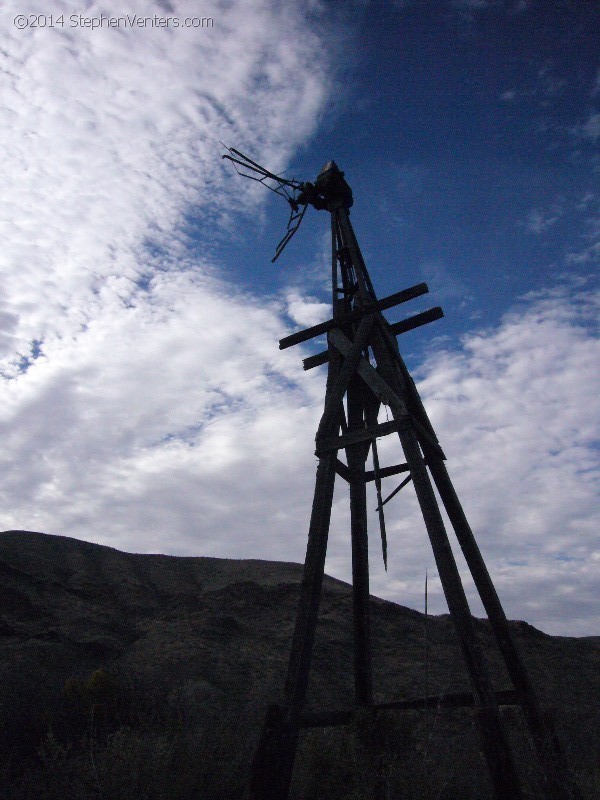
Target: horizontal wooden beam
{"x": 386, "y": 472}
{"x": 355, "y": 437}
{"x": 325, "y": 719}
{"x": 396, "y": 328}
{"x": 417, "y": 320}
{"x": 316, "y": 360}
{"x": 507, "y": 697}
{"x": 380, "y": 305}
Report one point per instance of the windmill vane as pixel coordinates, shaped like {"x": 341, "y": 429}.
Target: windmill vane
{"x": 329, "y": 188}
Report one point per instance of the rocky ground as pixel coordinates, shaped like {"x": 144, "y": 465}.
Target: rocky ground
{"x": 147, "y": 676}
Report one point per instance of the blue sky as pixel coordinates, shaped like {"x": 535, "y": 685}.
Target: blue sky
{"x": 469, "y": 133}
{"x": 145, "y": 404}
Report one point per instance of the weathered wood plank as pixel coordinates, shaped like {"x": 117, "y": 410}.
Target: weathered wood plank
{"x": 506, "y": 697}
{"x": 495, "y": 743}
{"x": 316, "y": 360}
{"x": 333, "y": 717}
{"x": 356, "y": 457}
{"x": 396, "y": 328}
{"x": 339, "y": 386}
{"x": 386, "y": 472}
{"x": 326, "y": 444}
{"x": 560, "y": 784}
{"x": 416, "y": 321}
{"x": 369, "y": 374}
{"x": 343, "y": 471}
{"x": 380, "y": 305}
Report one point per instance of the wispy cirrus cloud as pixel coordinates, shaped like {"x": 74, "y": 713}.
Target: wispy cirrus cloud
{"x": 131, "y": 372}
{"x": 590, "y": 129}
{"x": 540, "y": 220}
{"x": 145, "y": 404}
{"x": 587, "y": 250}
{"x": 112, "y": 137}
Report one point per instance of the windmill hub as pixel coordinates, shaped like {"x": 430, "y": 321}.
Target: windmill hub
{"x": 329, "y": 191}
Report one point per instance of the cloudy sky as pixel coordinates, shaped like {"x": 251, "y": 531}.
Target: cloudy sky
{"x": 145, "y": 403}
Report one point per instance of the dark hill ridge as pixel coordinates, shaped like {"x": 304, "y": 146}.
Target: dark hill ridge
{"x": 191, "y": 649}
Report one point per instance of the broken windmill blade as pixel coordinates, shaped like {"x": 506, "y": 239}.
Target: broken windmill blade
{"x": 366, "y": 370}
{"x": 240, "y": 160}
{"x": 297, "y": 200}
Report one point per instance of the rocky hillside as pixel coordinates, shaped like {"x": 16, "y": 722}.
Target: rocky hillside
{"x": 146, "y": 676}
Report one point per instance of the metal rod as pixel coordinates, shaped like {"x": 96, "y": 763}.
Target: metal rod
{"x": 394, "y": 493}
{"x": 380, "y": 503}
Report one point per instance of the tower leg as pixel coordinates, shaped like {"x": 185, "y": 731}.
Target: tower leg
{"x": 559, "y": 784}
{"x": 312, "y": 581}
{"x": 494, "y": 741}
{"x": 274, "y": 760}
{"x": 356, "y": 456}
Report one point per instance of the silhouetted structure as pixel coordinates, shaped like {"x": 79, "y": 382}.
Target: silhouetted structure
{"x": 366, "y": 371}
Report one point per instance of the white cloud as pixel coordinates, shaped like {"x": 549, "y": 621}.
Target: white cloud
{"x": 158, "y": 425}
{"x": 548, "y": 86}
{"x": 588, "y": 131}
{"x": 136, "y": 384}
{"x": 591, "y": 128}
{"x": 306, "y": 311}
{"x": 540, "y": 220}
{"x": 146, "y": 404}
{"x": 588, "y": 250}
{"x": 113, "y": 134}
{"x": 444, "y": 283}
{"x": 542, "y": 85}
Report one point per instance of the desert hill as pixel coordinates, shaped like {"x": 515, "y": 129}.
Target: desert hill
{"x": 147, "y": 676}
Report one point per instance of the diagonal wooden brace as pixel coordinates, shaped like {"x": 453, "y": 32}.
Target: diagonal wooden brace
{"x": 352, "y": 356}
{"x": 382, "y": 390}
{"x": 369, "y": 374}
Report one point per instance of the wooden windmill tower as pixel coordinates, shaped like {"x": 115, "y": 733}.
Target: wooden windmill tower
{"x": 366, "y": 371}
